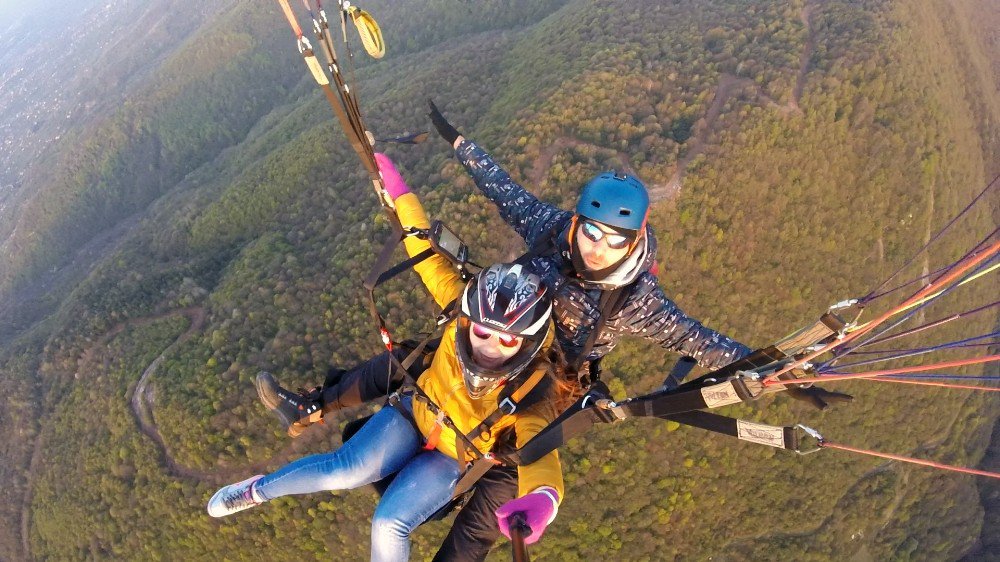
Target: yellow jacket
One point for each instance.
(443, 383)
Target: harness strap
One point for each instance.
(507, 406)
(609, 305)
(380, 271)
(597, 407)
(465, 443)
(781, 437)
(575, 420)
(403, 266)
(446, 421)
(473, 473)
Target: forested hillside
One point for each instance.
(214, 223)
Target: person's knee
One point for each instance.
(343, 469)
(387, 526)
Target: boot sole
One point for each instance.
(266, 397)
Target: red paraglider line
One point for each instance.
(939, 384)
(932, 464)
(290, 16)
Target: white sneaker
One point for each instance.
(234, 497)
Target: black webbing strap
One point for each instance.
(679, 372)
(476, 470)
(403, 266)
(596, 408)
(782, 437)
(575, 420)
(371, 280)
(666, 402)
(828, 326)
(508, 402)
(609, 304)
(380, 271)
(760, 358)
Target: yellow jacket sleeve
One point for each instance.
(437, 273)
(546, 471)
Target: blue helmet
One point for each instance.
(616, 200)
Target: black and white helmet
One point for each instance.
(506, 298)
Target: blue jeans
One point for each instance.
(387, 444)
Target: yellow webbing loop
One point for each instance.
(315, 68)
(371, 35)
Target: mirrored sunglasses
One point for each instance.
(613, 241)
(506, 340)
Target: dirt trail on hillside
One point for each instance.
(695, 145)
(544, 161)
(142, 401)
(87, 358)
(800, 81)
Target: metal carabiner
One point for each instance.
(811, 433)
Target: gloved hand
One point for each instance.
(394, 184)
(817, 397)
(539, 509)
(442, 125)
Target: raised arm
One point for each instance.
(437, 273)
(530, 217)
(525, 213)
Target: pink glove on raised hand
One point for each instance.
(539, 509)
(394, 183)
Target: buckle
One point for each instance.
(507, 402)
(609, 410)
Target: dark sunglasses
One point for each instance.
(613, 241)
(506, 340)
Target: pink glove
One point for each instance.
(539, 509)
(394, 183)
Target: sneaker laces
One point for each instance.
(240, 499)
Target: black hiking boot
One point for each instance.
(295, 410)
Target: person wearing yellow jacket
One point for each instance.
(503, 332)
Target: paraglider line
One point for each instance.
(933, 239)
(911, 460)
(901, 354)
(971, 252)
(897, 371)
(920, 300)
